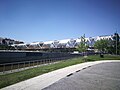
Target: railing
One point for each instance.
(19, 66)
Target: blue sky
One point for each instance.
(43, 20)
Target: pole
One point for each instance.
(116, 42)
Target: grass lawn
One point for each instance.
(9, 79)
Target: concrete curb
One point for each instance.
(42, 81)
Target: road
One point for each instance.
(103, 76)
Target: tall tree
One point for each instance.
(110, 48)
(101, 45)
(82, 47)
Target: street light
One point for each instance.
(116, 42)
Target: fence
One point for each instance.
(19, 66)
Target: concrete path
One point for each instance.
(45, 80)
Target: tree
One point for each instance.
(111, 46)
(101, 45)
(6, 47)
(82, 47)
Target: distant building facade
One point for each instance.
(66, 43)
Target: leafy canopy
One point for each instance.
(82, 47)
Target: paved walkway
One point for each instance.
(45, 80)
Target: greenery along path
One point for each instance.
(9, 79)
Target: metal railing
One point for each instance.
(19, 66)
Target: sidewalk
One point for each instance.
(42, 81)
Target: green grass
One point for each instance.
(106, 57)
(9, 79)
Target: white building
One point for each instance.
(65, 43)
(48, 44)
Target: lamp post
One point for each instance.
(116, 42)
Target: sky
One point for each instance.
(45, 20)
